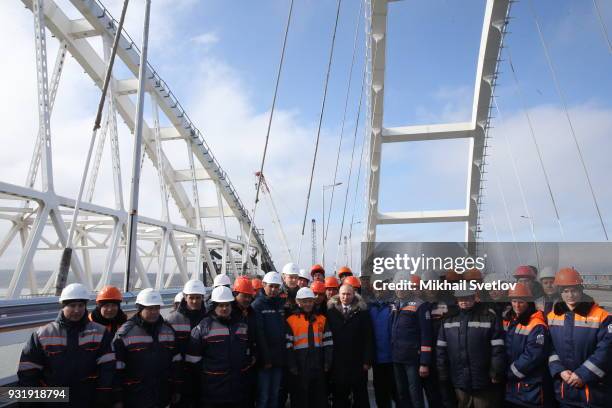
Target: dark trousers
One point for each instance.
(358, 388)
(476, 398)
(409, 385)
(268, 386)
(438, 394)
(308, 392)
(384, 385)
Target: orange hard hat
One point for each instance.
(472, 274)
(242, 284)
(317, 287)
(256, 283)
(331, 282)
(353, 281)
(568, 277)
(316, 268)
(452, 276)
(414, 278)
(344, 270)
(525, 271)
(520, 291)
(109, 292)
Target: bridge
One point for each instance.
(204, 228)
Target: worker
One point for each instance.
(331, 287)
(71, 351)
(190, 311)
(149, 371)
(220, 354)
(527, 274)
(343, 272)
(527, 341)
(177, 300)
(108, 309)
(309, 353)
(550, 293)
(317, 272)
(380, 309)
(290, 287)
(241, 309)
(269, 317)
(351, 328)
(318, 288)
(496, 299)
(304, 278)
(470, 352)
(581, 334)
(354, 281)
(411, 342)
(257, 286)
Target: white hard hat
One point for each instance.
(547, 272)
(149, 297)
(305, 274)
(222, 294)
(222, 280)
(305, 293)
(291, 269)
(272, 278)
(178, 298)
(75, 291)
(495, 277)
(194, 287)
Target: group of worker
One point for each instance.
(310, 339)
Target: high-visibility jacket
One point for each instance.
(148, 363)
(183, 321)
(527, 343)
(309, 344)
(112, 325)
(411, 333)
(70, 354)
(582, 343)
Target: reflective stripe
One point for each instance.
(91, 338)
(241, 330)
(483, 325)
(270, 311)
(127, 340)
(555, 322)
(594, 369)
(177, 357)
(47, 341)
(28, 365)
(590, 325)
(328, 343)
(119, 365)
(552, 358)
(289, 345)
(300, 346)
(425, 348)
(497, 342)
(218, 332)
(289, 337)
(192, 359)
(516, 372)
(181, 327)
(523, 331)
(441, 343)
(449, 325)
(166, 337)
(105, 358)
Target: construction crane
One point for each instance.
(313, 238)
(264, 188)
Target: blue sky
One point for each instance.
(220, 59)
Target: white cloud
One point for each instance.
(206, 39)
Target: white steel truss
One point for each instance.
(100, 227)
(475, 131)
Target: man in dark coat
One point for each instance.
(351, 327)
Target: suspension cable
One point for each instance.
(265, 151)
(604, 30)
(348, 91)
(535, 142)
(314, 158)
(567, 115)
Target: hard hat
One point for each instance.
(291, 269)
(178, 298)
(194, 287)
(344, 270)
(305, 275)
(74, 291)
(109, 292)
(318, 287)
(256, 283)
(316, 268)
(221, 280)
(222, 294)
(465, 293)
(525, 271)
(430, 275)
(149, 297)
(272, 278)
(472, 274)
(495, 277)
(353, 281)
(568, 277)
(547, 272)
(452, 276)
(305, 293)
(415, 279)
(242, 284)
(331, 282)
(520, 291)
